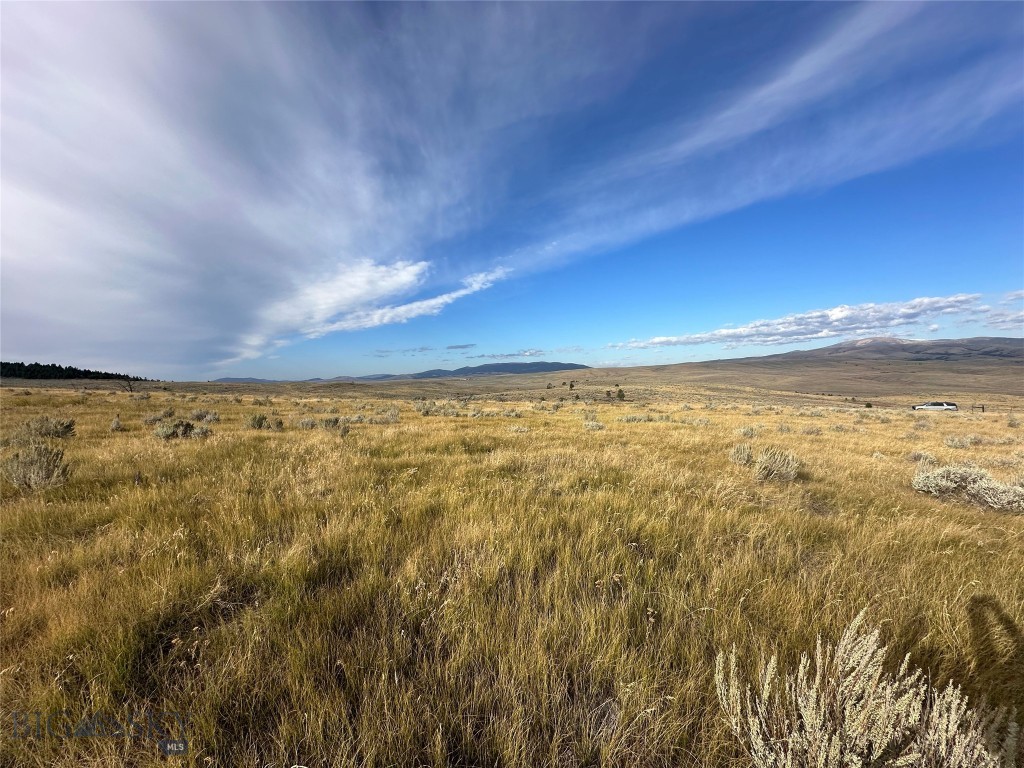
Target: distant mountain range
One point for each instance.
(919, 350)
(489, 369)
(870, 368)
(980, 349)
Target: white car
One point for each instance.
(935, 407)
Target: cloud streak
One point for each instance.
(853, 103)
(166, 180)
(510, 355)
(822, 324)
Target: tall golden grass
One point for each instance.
(492, 590)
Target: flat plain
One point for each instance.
(503, 571)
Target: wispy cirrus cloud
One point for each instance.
(858, 99)
(407, 351)
(1006, 320)
(822, 324)
(228, 179)
(1009, 315)
(402, 313)
(308, 317)
(460, 346)
(510, 355)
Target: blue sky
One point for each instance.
(291, 190)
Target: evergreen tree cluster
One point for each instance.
(54, 371)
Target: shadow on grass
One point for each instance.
(998, 645)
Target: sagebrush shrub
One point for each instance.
(337, 423)
(37, 465)
(593, 425)
(741, 454)
(306, 423)
(446, 408)
(258, 421)
(179, 429)
(747, 431)
(842, 709)
(970, 483)
(962, 441)
(384, 416)
(775, 464)
(47, 426)
(811, 430)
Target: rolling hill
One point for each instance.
(868, 368)
(489, 369)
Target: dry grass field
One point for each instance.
(503, 578)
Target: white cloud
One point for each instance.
(185, 184)
(511, 355)
(873, 109)
(1007, 321)
(358, 284)
(1009, 316)
(819, 324)
(370, 318)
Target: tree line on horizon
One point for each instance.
(54, 371)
